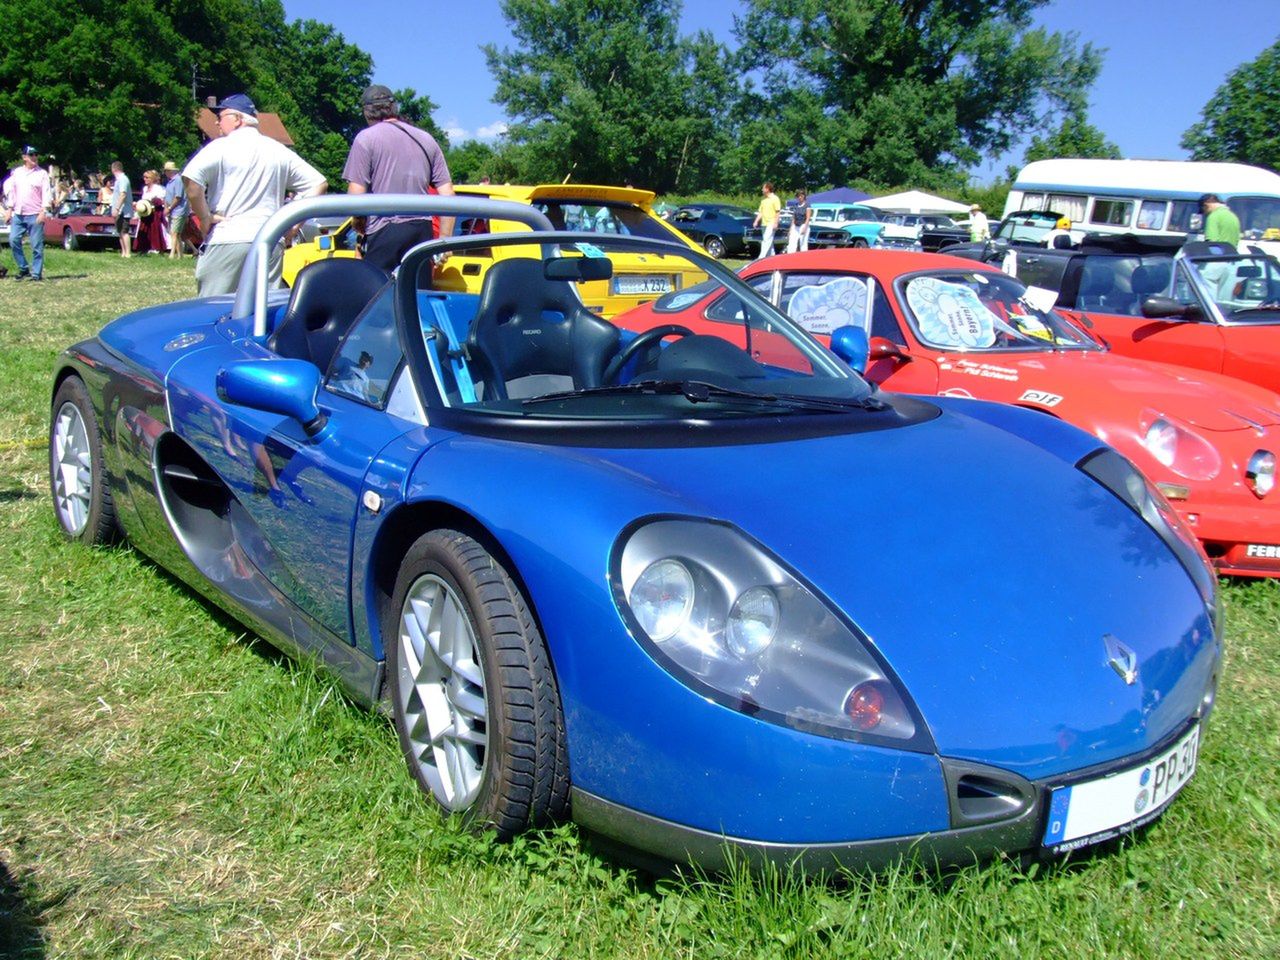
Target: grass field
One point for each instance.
(171, 787)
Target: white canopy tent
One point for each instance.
(916, 201)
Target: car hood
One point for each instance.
(989, 592)
(1093, 387)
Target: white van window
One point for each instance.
(1032, 201)
(1069, 205)
(1151, 215)
(1180, 214)
(1113, 212)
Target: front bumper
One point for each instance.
(1240, 541)
(1014, 825)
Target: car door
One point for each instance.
(300, 491)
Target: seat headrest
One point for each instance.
(1151, 278)
(327, 297)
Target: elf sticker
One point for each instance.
(1040, 397)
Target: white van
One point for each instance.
(1150, 197)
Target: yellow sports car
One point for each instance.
(325, 242)
(615, 211)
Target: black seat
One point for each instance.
(527, 325)
(327, 297)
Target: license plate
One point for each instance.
(643, 284)
(1100, 809)
(1268, 551)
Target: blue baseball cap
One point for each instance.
(239, 103)
(30, 151)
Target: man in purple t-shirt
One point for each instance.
(391, 156)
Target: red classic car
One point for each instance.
(78, 225)
(1209, 308)
(943, 325)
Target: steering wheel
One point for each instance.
(641, 342)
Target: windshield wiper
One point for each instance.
(699, 391)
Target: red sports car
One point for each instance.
(943, 325)
(78, 225)
(1212, 309)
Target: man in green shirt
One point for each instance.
(1220, 224)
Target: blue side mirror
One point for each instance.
(851, 345)
(286, 387)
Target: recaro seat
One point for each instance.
(327, 297)
(527, 325)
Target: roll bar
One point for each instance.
(251, 293)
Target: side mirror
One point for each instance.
(882, 349)
(851, 345)
(1167, 308)
(286, 387)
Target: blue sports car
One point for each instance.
(702, 593)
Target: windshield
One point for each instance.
(981, 310)
(1258, 215)
(622, 219)
(614, 328)
(1246, 289)
(1029, 226)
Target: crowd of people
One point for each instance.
(229, 188)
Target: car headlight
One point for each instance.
(1178, 447)
(725, 618)
(1133, 489)
(1261, 472)
(1161, 440)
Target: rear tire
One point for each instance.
(476, 704)
(77, 475)
(715, 247)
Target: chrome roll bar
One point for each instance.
(251, 293)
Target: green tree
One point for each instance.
(470, 160)
(1076, 137)
(898, 90)
(1241, 121)
(607, 93)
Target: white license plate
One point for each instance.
(1098, 810)
(633, 285)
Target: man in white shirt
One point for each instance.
(235, 183)
(979, 229)
(30, 194)
(122, 207)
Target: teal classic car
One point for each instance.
(844, 225)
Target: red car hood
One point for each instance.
(1089, 386)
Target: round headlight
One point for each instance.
(753, 622)
(1162, 441)
(662, 598)
(1261, 472)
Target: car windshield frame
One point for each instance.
(1209, 287)
(638, 221)
(837, 383)
(1052, 320)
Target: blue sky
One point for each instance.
(1164, 58)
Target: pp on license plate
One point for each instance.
(643, 284)
(1100, 809)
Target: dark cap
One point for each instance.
(376, 93)
(239, 103)
(30, 151)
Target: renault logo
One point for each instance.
(1122, 660)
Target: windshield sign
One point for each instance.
(984, 311)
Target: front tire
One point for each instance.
(715, 248)
(77, 475)
(858, 243)
(69, 240)
(476, 705)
